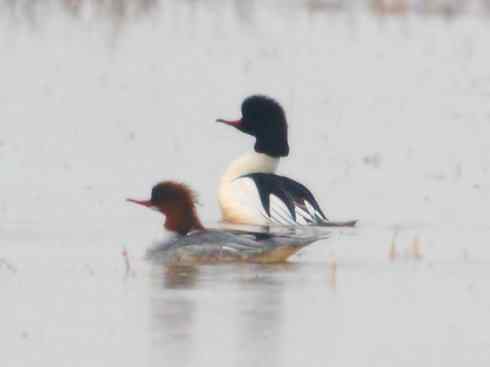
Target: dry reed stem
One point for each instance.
(416, 248)
(393, 252)
(127, 262)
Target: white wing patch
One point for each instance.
(280, 213)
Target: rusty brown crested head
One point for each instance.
(177, 202)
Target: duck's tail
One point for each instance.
(330, 223)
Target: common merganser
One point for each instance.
(250, 192)
(192, 243)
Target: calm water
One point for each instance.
(389, 121)
(77, 307)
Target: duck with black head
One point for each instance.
(250, 192)
(192, 243)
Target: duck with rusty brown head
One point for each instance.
(192, 243)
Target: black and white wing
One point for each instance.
(266, 199)
(286, 201)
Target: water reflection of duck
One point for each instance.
(250, 192)
(192, 243)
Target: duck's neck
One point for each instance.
(251, 163)
(182, 220)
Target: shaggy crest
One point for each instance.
(177, 201)
(265, 119)
(170, 191)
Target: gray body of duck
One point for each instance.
(212, 246)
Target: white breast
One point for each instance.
(238, 197)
